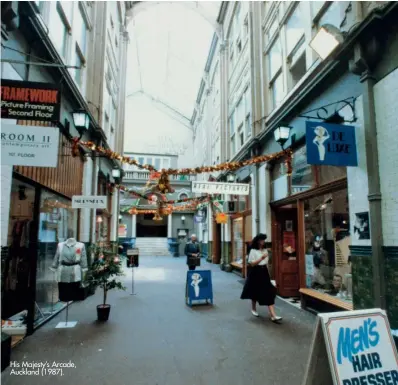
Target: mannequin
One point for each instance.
(70, 263)
(319, 255)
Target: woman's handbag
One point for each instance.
(194, 261)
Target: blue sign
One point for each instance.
(199, 286)
(331, 144)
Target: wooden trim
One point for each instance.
(241, 214)
(301, 242)
(327, 298)
(275, 242)
(335, 185)
(237, 266)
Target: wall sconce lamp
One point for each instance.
(81, 120)
(99, 219)
(116, 173)
(327, 39)
(183, 219)
(230, 178)
(120, 217)
(282, 134)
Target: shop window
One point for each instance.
(238, 250)
(58, 222)
(331, 173)
(141, 160)
(157, 163)
(279, 180)
(15, 260)
(327, 240)
(302, 177)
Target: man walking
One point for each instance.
(192, 251)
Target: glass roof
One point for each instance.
(169, 45)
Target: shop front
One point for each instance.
(311, 232)
(241, 233)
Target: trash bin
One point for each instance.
(174, 249)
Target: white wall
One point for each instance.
(386, 99)
(357, 177)
(6, 181)
(148, 129)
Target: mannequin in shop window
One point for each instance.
(319, 257)
(70, 264)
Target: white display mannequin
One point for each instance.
(70, 265)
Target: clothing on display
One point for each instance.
(70, 263)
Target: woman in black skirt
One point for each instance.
(258, 286)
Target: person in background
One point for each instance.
(192, 250)
(258, 286)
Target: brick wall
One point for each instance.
(386, 98)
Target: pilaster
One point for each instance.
(134, 226)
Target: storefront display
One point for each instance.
(58, 222)
(327, 240)
(15, 260)
(238, 249)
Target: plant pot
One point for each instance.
(103, 312)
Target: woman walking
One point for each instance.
(258, 286)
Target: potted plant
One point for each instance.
(103, 272)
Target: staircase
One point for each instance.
(152, 247)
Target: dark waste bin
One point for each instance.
(174, 249)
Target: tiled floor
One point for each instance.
(154, 338)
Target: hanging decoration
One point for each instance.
(221, 218)
(163, 184)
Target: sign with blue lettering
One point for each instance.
(331, 144)
(199, 286)
(359, 347)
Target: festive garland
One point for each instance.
(162, 176)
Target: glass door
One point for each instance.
(238, 242)
(16, 260)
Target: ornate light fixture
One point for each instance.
(327, 39)
(81, 120)
(282, 134)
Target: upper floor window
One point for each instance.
(333, 15)
(272, 29)
(60, 29)
(80, 27)
(232, 123)
(294, 29)
(275, 58)
(157, 163)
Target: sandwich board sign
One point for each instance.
(352, 348)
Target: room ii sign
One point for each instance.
(331, 144)
(30, 100)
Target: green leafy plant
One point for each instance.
(105, 268)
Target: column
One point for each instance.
(134, 226)
(85, 214)
(170, 226)
(93, 192)
(115, 215)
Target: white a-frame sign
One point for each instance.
(352, 348)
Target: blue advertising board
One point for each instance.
(199, 286)
(331, 144)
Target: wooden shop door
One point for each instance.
(285, 249)
(216, 252)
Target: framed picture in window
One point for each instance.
(289, 225)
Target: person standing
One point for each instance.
(258, 286)
(192, 251)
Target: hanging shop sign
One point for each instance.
(358, 347)
(331, 144)
(29, 145)
(220, 188)
(200, 217)
(89, 202)
(30, 100)
(218, 206)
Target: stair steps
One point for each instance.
(152, 247)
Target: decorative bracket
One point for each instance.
(330, 112)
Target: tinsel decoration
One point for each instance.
(75, 147)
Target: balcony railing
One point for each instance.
(144, 176)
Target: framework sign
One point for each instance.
(352, 348)
(221, 188)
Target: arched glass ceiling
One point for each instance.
(169, 45)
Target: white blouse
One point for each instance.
(255, 255)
